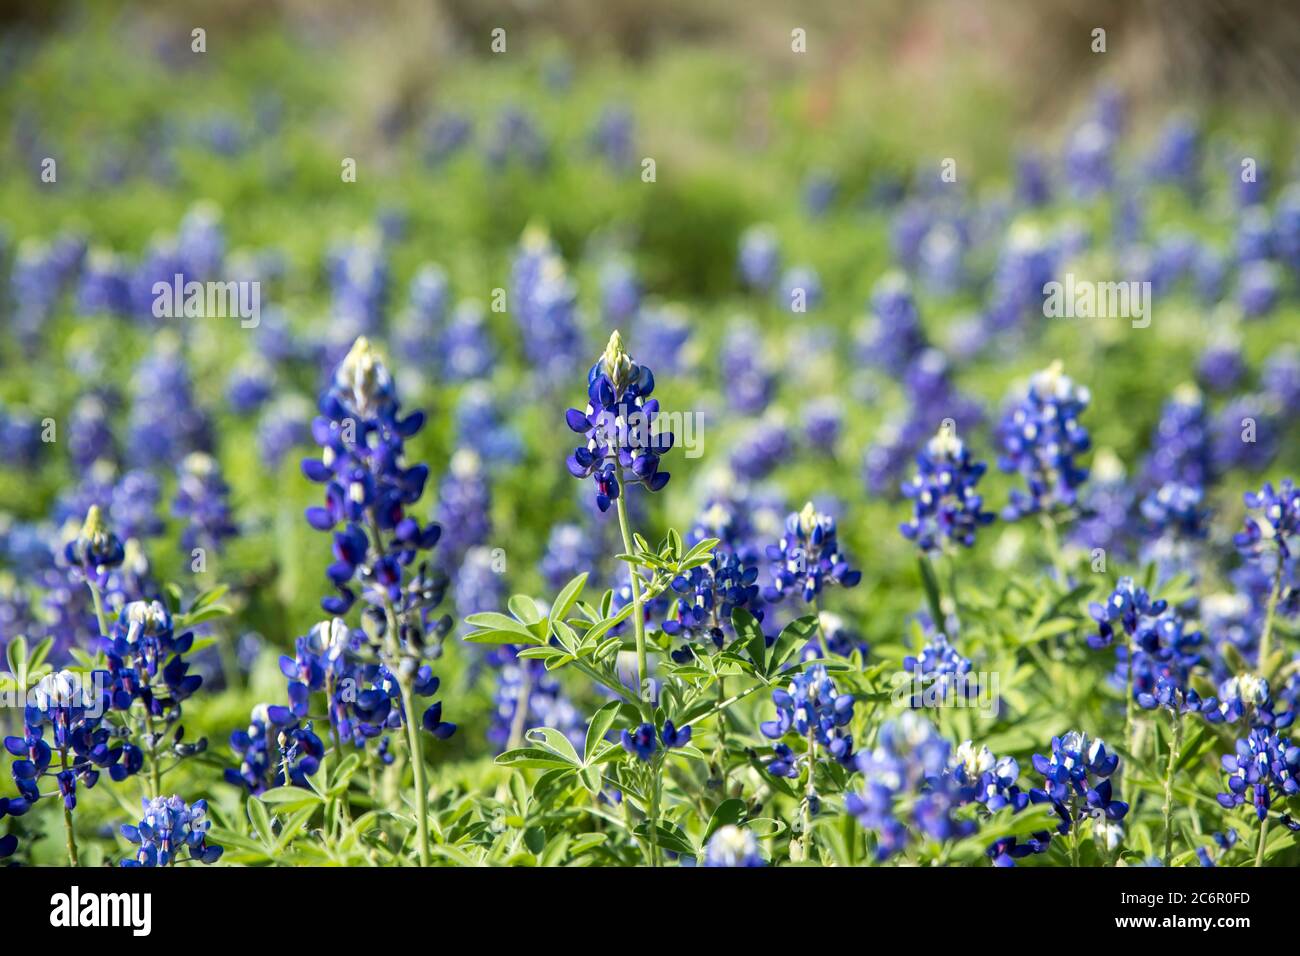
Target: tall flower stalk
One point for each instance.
(383, 551)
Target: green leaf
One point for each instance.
(525, 609)
(567, 597)
(260, 819)
(750, 634)
(601, 721)
(499, 636)
(931, 585)
(730, 811)
(554, 741)
(535, 758)
(793, 637)
(289, 796)
(495, 621)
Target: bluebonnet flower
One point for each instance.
(1033, 183)
(893, 338)
(1245, 434)
(1223, 841)
(1026, 263)
(988, 780)
(941, 258)
(1175, 509)
(673, 736)
(620, 291)
(1089, 159)
(359, 276)
(1265, 769)
(1041, 437)
(808, 557)
(361, 432)
(545, 302)
(251, 384)
(446, 136)
(1221, 367)
(938, 671)
(1106, 508)
(747, 380)
(74, 708)
(146, 660)
(709, 593)
(836, 637)
(1180, 444)
(266, 749)
(640, 741)
(1254, 239)
(165, 423)
(1177, 156)
(479, 427)
(516, 137)
(1257, 288)
(946, 506)
(284, 425)
(732, 846)
(613, 135)
(480, 585)
(464, 508)
(760, 258)
(419, 330)
(910, 762)
(569, 551)
(201, 241)
(1076, 781)
(466, 352)
(368, 486)
(203, 499)
(663, 334)
(1272, 522)
(168, 827)
(823, 420)
(1246, 698)
(622, 447)
(763, 446)
(90, 432)
(1280, 377)
(814, 708)
(96, 550)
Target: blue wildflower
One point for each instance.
(1041, 437)
(732, 846)
(622, 446)
(168, 827)
(808, 557)
(946, 505)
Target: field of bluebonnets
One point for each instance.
(548, 506)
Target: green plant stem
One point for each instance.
(1175, 745)
(100, 615)
(655, 783)
(1266, 635)
(638, 619)
(1263, 841)
(810, 794)
(417, 770)
(1054, 547)
(73, 859)
(821, 631)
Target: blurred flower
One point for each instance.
(1041, 436)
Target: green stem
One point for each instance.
(73, 859)
(1267, 634)
(657, 771)
(1054, 547)
(1263, 841)
(638, 619)
(821, 630)
(100, 615)
(1175, 744)
(810, 794)
(417, 768)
